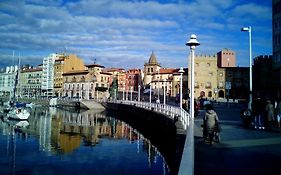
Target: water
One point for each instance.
(55, 141)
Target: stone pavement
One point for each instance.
(241, 150)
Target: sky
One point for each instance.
(123, 33)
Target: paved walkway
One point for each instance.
(241, 150)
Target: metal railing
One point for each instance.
(187, 161)
(172, 112)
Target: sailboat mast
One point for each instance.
(11, 90)
(18, 78)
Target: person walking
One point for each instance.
(278, 114)
(269, 114)
(210, 121)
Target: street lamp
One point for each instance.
(164, 93)
(139, 92)
(192, 43)
(150, 94)
(131, 93)
(248, 29)
(158, 70)
(181, 71)
(123, 91)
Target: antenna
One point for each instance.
(13, 57)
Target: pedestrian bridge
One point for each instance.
(185, 125)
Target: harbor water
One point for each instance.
(56, 141)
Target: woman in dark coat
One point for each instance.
(210, 122)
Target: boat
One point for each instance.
(18, 114)
(16, 110)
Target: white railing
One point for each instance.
(187, 161)
(168, 110)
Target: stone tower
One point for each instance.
(150, 68)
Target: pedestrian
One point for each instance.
(210, 121)
(278, 114)
(269, 114)
(258, 113)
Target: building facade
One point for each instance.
(7, 81)
(30, 83)
(206, 77)
(150, 68)
(263, 77)
(276, 45)
(48, 75)
(226, 58)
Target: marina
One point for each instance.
(56, 141)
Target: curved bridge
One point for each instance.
(185, 125)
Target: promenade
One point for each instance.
(241, 150)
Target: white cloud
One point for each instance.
(120, 31)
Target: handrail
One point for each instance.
(168, 110)
(187, 160)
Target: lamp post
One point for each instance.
(123, 91)
(139, 92)
(150, 94)
(158, 84)
(131, 93)
(164, 93)
(192, 43)
(249, 29)
(181, 71)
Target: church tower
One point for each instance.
(150, 68)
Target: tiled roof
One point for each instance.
(76, 72)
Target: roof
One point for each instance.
(94, 65)
(106, 73)
(76, 72)
(167, 71)
(113, 70)
(32, 70)
(152, 60)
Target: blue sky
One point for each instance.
(119, 33)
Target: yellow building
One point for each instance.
(206, 79)
(58, 78)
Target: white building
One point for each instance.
(48, 75)
(7, 80)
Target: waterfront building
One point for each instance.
(133, 79)
(276, 46)
(48, 75)
(175, 90)
(158, 77)
(7, 81)
(239, 82)
(30, 82)
(99, 81)
(263, 77)
(76, 84)
(58, 78)
(165, 77)
(226, 58)
(206, 81)
(150, 68)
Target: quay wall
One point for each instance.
(158, 128)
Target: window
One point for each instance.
(210, 94)
(208, 85)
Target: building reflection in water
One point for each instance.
(62, 131)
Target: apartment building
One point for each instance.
(31, 82)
